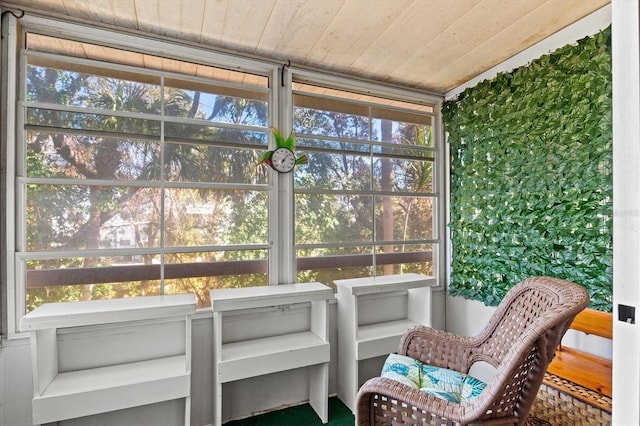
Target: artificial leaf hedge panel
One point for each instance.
(531, 183)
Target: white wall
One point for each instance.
(468, 317)
(15, 365)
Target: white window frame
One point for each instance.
(282, 267)
(35, 24)
(338, 82)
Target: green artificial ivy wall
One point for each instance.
(531, 182)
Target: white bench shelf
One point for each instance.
(379, 339)
(373, 313)
(60, 395)
(272, 354)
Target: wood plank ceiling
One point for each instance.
(432, 45)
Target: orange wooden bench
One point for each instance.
(579, 367)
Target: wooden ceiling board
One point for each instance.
(417, 25)
(461, 37)
(522, 33)
(302, 25)
(352, 30)
(175, 19)
(237, 24)
(90, 10)
(465, 33)
(167, 20)
(124, 13)
(50, 5)
(432, 45)
(191, 20)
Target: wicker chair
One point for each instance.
(519, 341)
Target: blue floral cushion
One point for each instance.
(403, 369)
(446, 384)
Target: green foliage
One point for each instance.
(531, 183)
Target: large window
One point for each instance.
(134, 181)
(366, 202)
(136, 173)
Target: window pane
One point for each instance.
(90, 278)
(181, 132)
(41, 117)
(67, 217)
(215, 103)
(397, 174)
(203, 163)
(390, 127)
(313, 121)
(333, 218)
(200, 217)
(152, 154)
(404, 151)
(397, 259)
(334, 171)
(334, 145)
(328, 264)
(77, 49)
(95, 88)
(362, 149)
(82, 156)
(202, 271)
(404, 218)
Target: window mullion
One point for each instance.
(284, 222)
(374, 245)
(163, 188)
(15, 302)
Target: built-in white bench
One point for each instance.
(272, 351)
(118, 383)
(373, 313)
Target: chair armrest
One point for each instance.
(440, 348)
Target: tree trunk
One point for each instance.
(386, 182)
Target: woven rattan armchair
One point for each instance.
(519, 340)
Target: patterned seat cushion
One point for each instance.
(440, 382)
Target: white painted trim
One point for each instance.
(585, 27)
(285, 214)
(441, 187)
(352, 84)
(446, 236)
(626, 208)
(144, 43)
(9, 70)
(274, 118)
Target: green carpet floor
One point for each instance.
(300, 415)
